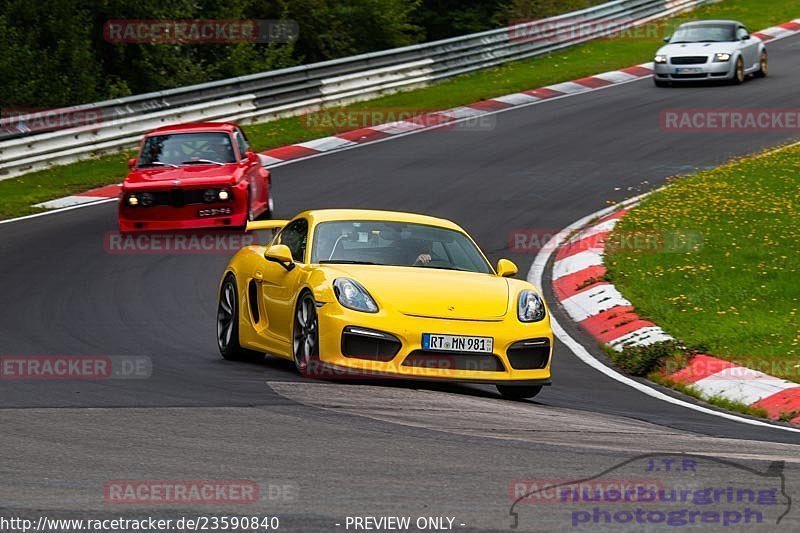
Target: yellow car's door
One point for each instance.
(280, 284)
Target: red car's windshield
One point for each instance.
(187, 149)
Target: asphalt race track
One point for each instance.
(366, 448)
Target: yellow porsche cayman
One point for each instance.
(379, 293)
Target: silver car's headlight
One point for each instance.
(722, 57)
(530, 307)
(352, 295)
(660, 59)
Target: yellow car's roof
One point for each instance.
(327, 215)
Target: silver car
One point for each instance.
(710, 50)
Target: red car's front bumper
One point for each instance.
(215, 215)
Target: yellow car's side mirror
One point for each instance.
(280, 253)
(506, 269)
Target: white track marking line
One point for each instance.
(463, 112)
(68, 201)
(395, 128)
(54, 211)
(516, 99)
(592, 302)
(267, 161)
(742, 385)
(536, 276)
(640, 337)
(615, 76)
(608, 225)
(577, 262)
(325, 144)
(570, 87)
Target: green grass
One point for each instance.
(19, 194)
(643, 360)
(735, 288)
(584, 60)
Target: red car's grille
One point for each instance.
(178, 197)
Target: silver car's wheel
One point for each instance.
(305, 334)
(738, 74)
(763, 68)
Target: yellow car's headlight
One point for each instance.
(530, 307)
(352, 295)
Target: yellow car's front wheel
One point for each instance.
(228, 323)
(305, 334)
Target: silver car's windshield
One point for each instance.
(705, 33)
(397, 244)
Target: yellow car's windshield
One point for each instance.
(397, 244)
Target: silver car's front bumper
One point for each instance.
(706, 71)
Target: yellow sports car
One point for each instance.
(379, 293)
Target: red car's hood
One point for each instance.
(187, 175)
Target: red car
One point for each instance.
(191, 176)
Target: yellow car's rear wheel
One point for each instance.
(519, 392)
(305, 334)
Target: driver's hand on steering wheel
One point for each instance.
(423, 259)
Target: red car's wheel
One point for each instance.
(270, 203)
(250, 212)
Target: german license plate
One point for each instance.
(214, 212)
(688, 70)
(436, 342)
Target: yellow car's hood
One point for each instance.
(431, 292)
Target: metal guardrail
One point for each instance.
(302, 89)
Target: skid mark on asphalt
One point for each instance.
(528, 422)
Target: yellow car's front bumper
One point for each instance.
(528, 363)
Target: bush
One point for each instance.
(642, 360)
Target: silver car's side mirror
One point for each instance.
(667, 38)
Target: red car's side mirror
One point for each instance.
(132, 163)
(252, 157)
